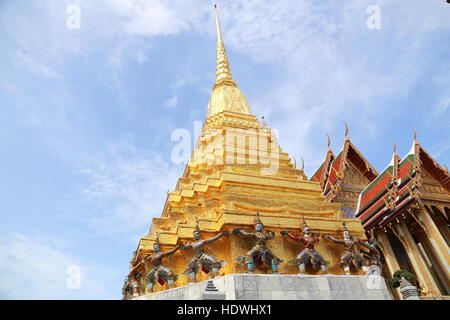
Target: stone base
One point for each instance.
(283, 287)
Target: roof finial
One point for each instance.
(395, 147)
(303, 163)
(415, 135)
(346, 129)
(329, 140)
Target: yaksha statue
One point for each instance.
(208, 263)
(132, 286)
(373, 255)
(126, 290)
(309, 254)
(259, 253)
(351, 255)
(159, 272)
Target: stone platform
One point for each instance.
(283, 287)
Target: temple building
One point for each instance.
(343, 177)
(407, 206)
(238, 179)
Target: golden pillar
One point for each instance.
(389, 256)
(441, 275)
(442, 224)
(435, 237)
(424, 276)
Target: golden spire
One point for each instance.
(225, 96)
(223, 72)
(219, 34)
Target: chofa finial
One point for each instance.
(346, 129)
(415, 135)
(329, 140)
(395, 147)
(303, 163)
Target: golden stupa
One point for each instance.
(237, 169)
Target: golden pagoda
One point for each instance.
(236, 170)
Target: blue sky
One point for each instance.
(86, 115)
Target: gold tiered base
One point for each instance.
(224, 184)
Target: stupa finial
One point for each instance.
(225, 95)
(219, 34)
(223, 72)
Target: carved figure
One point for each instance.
(206, 262)
(259, 253)
(351, 255)
(159, 272)
(308, 254)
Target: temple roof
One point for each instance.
(398, 185)
(339, 165)
(321, 175)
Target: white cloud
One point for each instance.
(133, 181)
(172, 102)
(36, 66)
(33, 268)
(442, 106)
